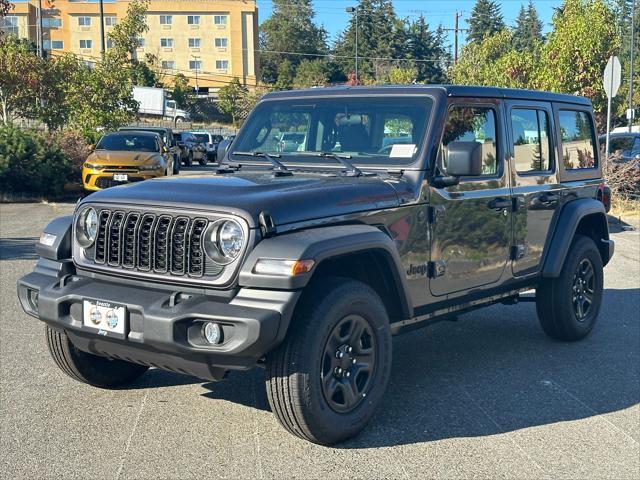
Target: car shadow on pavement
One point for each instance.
(18, 248)
(491, 372)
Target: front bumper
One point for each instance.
(164, 326)
(94, 180)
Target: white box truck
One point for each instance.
(153, 102)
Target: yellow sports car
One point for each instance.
(123, 157)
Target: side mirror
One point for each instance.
(464, 159)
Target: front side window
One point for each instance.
(221, 42)
(531, 140)
(166, 19)
(128, 142)
(166, 42)
(578, 149)
(471, 124)
(370, 131)
(220, 19)
(194, 43)
(222, 64)
(86, 43)
(193, 19)
(84, 21)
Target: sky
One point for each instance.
(331, 13)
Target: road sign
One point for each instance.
(612, 77)
(611, 82)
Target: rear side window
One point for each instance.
(578, 148)
(531, 140)
(472, 124)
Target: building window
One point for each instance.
(194, 43)
(50, 22)
(195, 65)
(86, 44)
(222, 64)
(53, 45)
(578, 146)
(110, 21)
(168, 64)
(220, 19)
(531, 140)
(221, 42)
(140, 42)
(9, 25)
(109, 43)
(166, 42)
(193, 19)
(84, 21)
(166, 19)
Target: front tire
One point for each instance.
(326, 380)
(189, 160)
(203, 161)
(176, 165)
(87, 368)
(568, 306)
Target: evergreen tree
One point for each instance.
(486, 20)
(527, 33)
(429, 49)
(290, 28)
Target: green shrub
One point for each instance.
(31, 163)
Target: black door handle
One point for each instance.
(548, 197)
(499, 203)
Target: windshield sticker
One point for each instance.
(402, 150)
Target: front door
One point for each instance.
(471, 221)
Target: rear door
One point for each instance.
(471, 221)
(534, 177)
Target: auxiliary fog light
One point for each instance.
(212, 332)
(32, 297)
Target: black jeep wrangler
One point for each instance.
(400, 207)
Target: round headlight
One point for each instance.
(224, 241)
(87, 227)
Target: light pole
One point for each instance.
(354, 10)
(102, 46)
(195, 58)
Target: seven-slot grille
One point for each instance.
(147, 242)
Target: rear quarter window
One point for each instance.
(578, 143)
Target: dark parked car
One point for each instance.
(307, 262)
(167, 138)
(190, 148)
(623, 146)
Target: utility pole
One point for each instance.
(39, 29)
(631, 70)
(195, 58)
(456, 29)
(354, 10)
(102, 45)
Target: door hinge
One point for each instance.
(434, 213)
(518, 251)
(436, 269)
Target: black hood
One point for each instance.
(302, 196)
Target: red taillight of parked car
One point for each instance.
(604, 195)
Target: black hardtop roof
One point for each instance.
(449, 90)
(137, 132)
(150, 128)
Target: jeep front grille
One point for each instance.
(154, 243)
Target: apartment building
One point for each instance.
(209, 41)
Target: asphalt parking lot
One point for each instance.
(488, 396)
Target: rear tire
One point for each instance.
(176, 165)
(189, 160)
(203, 161)
(568, 306)
(327, 378)
(87, 368)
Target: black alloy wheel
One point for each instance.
(583, 289)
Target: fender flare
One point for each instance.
(565, 229)
(320, 244)
(60, 249)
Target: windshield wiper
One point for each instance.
(344, 160)
(279, 169)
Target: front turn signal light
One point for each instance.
(282, 268)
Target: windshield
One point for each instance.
(371, 130)
(202, 137)
(128, 142)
